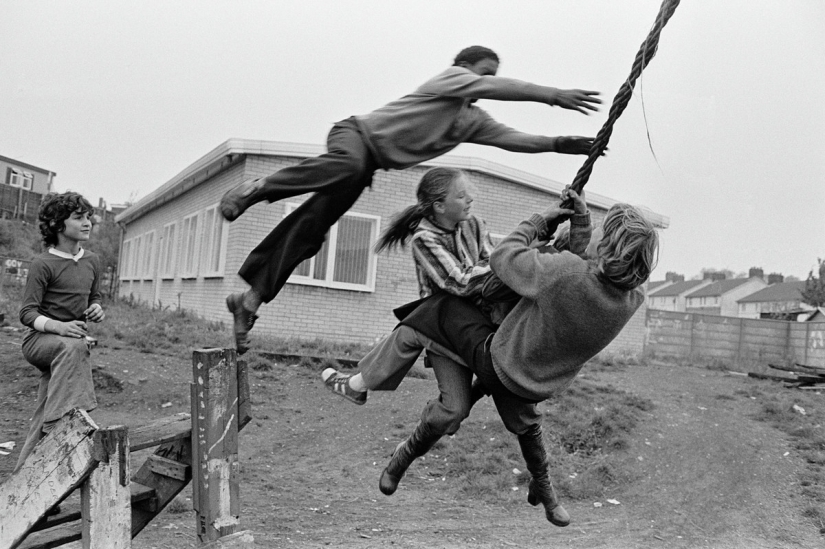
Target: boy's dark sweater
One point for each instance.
(60, 288)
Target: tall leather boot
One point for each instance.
(541, 488)
(405, 453)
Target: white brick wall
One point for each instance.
(309, 312)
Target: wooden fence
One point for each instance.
(114, 505)
(742, 343)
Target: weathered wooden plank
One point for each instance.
(160, 431)
(58, 464)
(215, 442)
(71, 512)
(244, 398)
(169, 468)
(165, 488)
(66, 536)
(105, 497)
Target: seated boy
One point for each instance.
(571, 308)
(61, 295)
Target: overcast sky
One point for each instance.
(118, 97)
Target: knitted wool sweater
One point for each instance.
(60, 288)
(568, 313)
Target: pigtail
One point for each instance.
(401, 228)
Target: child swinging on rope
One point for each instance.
(427, 123)
(451, 250)
(571, 308)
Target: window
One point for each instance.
(20, 178)
(346, 260)
(124, 259)
(189, 246)
(147, 256)
(213, 250)
(168, 247)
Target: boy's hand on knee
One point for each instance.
(74, 328)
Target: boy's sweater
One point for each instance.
(60, 288)
(569, 312)
(439, 116)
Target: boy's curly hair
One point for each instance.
(55, 209)
(628, 250)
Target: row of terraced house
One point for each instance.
(755, 296)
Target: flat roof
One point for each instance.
(230, 151)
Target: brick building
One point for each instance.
(177, 249)
(22, 189)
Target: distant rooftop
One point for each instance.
(677, 288)
(719, 287)
(652, 285)
(783, 291)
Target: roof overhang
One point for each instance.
(232, 151)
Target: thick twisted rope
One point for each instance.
(643, 57)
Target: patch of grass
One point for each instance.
(783, 409)
(587, 432)
(615, 361)
(178, 506)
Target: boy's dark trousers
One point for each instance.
(337, 178)
(457, 324)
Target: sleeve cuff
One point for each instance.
(580, 219)
(540, 224)
(39, 323)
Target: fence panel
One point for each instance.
(749, 344)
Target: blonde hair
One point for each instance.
(629, 248)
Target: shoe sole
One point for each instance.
(230, 209)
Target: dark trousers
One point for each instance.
(337, 178)
(459, 325)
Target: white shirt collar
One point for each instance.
(64, 255)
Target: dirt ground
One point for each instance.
(708, 475)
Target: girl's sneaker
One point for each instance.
(338, 383)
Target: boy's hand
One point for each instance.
(579, 205)
(555, 214)
(94, 313)
(577, 100)
(573, 144)
(75, 328)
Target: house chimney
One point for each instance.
(775, 278)
(756, 272)
(712, 275)
(672, 276)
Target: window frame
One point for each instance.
(212, 247)
(125, 256)
(18, 179)
(167, 259)
(146, 264)
(185, 270)
(332, 240)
